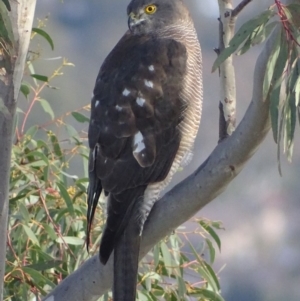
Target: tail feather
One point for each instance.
(94, 192)
(126, 258)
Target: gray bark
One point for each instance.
(12, 68)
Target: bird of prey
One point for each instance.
(145, 115)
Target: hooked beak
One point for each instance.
(134, 20)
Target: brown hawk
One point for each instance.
(145, 115)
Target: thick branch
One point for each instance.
(92, 279)
(21, 16)
(227, 74)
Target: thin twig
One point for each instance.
(35, 98)
(240, 7)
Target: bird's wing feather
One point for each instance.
(135, 113)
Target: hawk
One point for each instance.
(145, 115)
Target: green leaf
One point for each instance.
(290, 113)
(212, 251)
(80, 118)
(258, 36)
(42, 78)
(40, 155)
(45, 35)
(213, 276)
(65, 195)
(50, 231)
(212, 296)
(211, 232)
(271, 67)
(31, 235)
(293, 11)
(25, 89)
(31, 132)
(156, 255)
(6, 31)
(55, 145)
(264, 33)
(45, 265)
(181, 287)
(71, 240)
(47, 108)
(277, 80)
(242, 34)
(166, 257)
(24, 212)
(297, 91)
(37, 276)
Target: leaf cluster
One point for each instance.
(281, 84)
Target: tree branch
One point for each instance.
(21, 17)
(240, 7)
(93, 279)
(227, 116)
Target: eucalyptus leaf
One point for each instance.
(242, 34)
(45, 35)
(46, 107)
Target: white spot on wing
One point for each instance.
(140, 101)
(118, 108)
(97, 103)
(148, 83)
(151, 68)
(138, 142)
(126, 92)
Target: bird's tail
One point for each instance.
(126, 258)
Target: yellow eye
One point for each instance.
(150, 9)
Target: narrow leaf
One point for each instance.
(37, 276)
(47, 108)
(80, 118)
(55, 145)
(166, 257)
(45, 265)
(65, 195)
(45, 35)
(212, 251)
(42, 78)
(271, 66)
(31, 235)
(211, 232)
(211, 296)
(6, 31)
(71, 240)
(242, 34)
(275, 88)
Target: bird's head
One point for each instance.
(151, 16)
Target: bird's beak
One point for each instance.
(134, 20)
(131, 20)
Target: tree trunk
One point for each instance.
(11, 72)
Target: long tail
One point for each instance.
(126, 258)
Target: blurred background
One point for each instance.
(260, 257)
